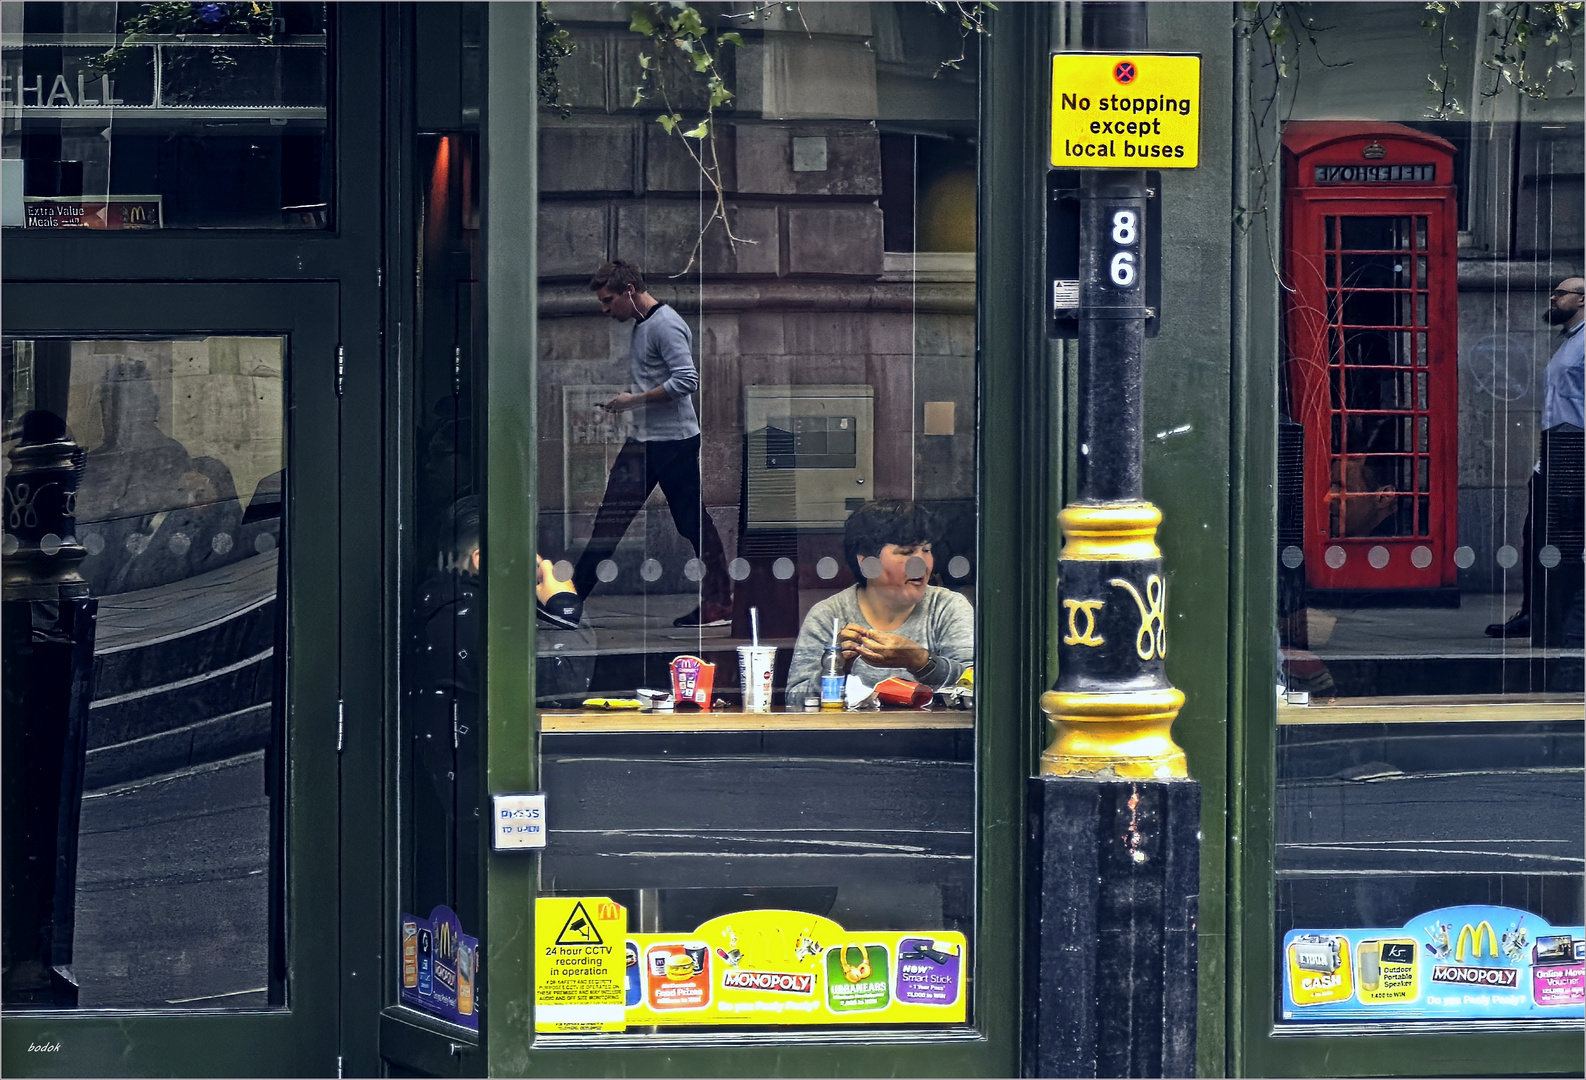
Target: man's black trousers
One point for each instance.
(639, 467)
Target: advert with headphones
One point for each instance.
(751, 967)
(1456, 963)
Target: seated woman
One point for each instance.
(892, 621)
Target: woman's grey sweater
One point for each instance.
(943, 623)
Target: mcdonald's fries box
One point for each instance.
(764, 966)
(1456, 963)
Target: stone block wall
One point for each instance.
(803, 291)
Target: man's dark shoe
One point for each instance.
(705, 615)
(1519, 626)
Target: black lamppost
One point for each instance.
(1114, 820)
(48, 627)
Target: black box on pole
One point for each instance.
(1110, 954)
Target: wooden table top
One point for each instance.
(569, 721)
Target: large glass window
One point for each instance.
(166, 115)
(757, 441)
(143, 725)
(1429, 778)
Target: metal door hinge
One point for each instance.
(341, 724)
(338, 1067)
(341, 367)
(457, 371)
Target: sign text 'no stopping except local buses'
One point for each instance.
(1140, 111)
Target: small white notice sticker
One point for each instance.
(517, 822)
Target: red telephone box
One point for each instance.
(1372, 369)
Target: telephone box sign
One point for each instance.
(1136, 111)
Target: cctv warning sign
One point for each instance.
(579, 964)
(1140, 111)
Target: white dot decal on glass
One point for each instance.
(1549, 556)
(93, 543)
(606, 571)
(136, 543)
(870, 566)
(1377, 557)
(264, 542)
(1508, 556)
(1464, 557)
(650, 570)
(8, 545)
(562, 571)
(915, 567)
(958, 566)
(782, 569)
(826, 568)
(1335, 556)
(694, 570)
(738, 569)
(1293, 557)
(50, 543)
(1421, 557)
(180, 543)
(221, 543)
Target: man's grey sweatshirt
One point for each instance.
(662, 354)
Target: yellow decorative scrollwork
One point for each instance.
(1152, 639)
(1075, 635)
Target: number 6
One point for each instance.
(1123, 223)
(1122, 269)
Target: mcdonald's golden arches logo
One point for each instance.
(1474, 935)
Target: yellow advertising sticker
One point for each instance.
(790, 967)
(1387, 971)
(1135, 111)
(579, 962)
(1319, 969)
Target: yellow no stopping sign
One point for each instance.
(1135, 111)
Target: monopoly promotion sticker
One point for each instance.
(1457, 963)
(790, 967)
(440, 967)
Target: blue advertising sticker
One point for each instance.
(440, 967)
(1456, 963)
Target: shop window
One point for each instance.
(173, 116)
(143, 838)
(1429, 794)
(772, 844)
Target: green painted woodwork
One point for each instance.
(302, 1041)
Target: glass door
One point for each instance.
(190, 923)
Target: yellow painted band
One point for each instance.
(1110, 531)
(1122, 734)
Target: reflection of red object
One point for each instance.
(1372, 323)
(1124, 72)
(693, 680)
(909, 695)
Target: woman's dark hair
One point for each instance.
(885, 521)
(618, 276)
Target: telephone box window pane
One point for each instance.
(166, 116)
(173, 852)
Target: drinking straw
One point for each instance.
(835, 621)
(754, 625)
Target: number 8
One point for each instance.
(1123, 223)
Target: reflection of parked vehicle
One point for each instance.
(1555, 949)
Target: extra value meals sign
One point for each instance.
(1140, 111)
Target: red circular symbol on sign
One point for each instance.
(1124, 72)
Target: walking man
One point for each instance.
(664, 446)
(1562, 406)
